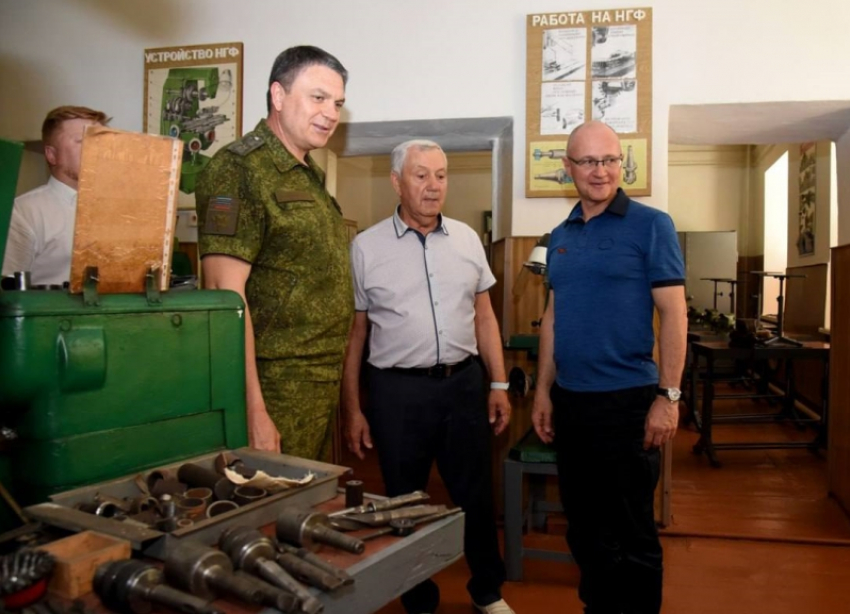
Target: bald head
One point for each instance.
(590, 132)
(594, 160)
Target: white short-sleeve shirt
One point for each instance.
(419, 292)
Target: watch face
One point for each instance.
(674, 394)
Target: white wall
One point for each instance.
(775, 227)
(707, 187)
(408, 60)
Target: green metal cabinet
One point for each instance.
(99, 391)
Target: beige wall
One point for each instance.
(366, 194)
(762, 157)
(708, 187)
(33, 172)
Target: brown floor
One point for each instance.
(760, 534)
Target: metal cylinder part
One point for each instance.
(251, 550)
(202, 492)
(319, 562)
(353, 493)
(244, 495)
(216, 508)
(272, 595)
(191, 508)
(131, 586)
(377, 519)
(143, 504)
(197, 476)
(308, 572)
(309, 529)
(206, 572)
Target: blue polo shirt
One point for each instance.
(602, 273)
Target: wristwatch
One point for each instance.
(499, 385)
(671, 394)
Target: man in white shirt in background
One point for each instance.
(41, 232)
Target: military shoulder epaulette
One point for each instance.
(246, 144)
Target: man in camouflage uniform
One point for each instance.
(271, 232)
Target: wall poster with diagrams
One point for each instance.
(194, 93)
(581, 66)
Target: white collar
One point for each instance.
(66, 192)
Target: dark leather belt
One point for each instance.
(438, 371)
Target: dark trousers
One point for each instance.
(415, 420)
(607, 484)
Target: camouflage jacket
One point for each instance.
(256, 202)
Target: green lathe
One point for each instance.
(93, 387)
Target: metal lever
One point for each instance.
(417, 496)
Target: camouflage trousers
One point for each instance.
(304, 413)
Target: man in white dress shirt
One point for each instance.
(41, 232)
(421, 281)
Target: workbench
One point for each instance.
(391, 565)
(388, 567)
(715, 351)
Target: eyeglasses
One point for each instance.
(588, 163)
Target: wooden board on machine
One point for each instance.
(126, 209)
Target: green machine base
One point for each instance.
(96, 390)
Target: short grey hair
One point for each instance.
(399, 154)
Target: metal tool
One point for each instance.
(272, 595)
(313, 559)
(377, 519)
(253, 552)
(399, 528)
(307, 572)
(417, 496)
(309, 529)
(206, 572)
(132, 586)
(197, 476)
(403, 527)
(353, 493)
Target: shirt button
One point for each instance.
(441, 332)
(436, 302)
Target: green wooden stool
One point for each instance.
(530, 456)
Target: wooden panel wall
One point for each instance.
(748, 286)
(805, 299)
(839, 379)
(805, 312)
(516, 305)
(518, 296)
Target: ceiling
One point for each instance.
(760, 123)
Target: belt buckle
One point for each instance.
(440, 371)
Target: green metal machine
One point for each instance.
(182, 116)
(94, 387)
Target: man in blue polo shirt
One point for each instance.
(601, 399)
